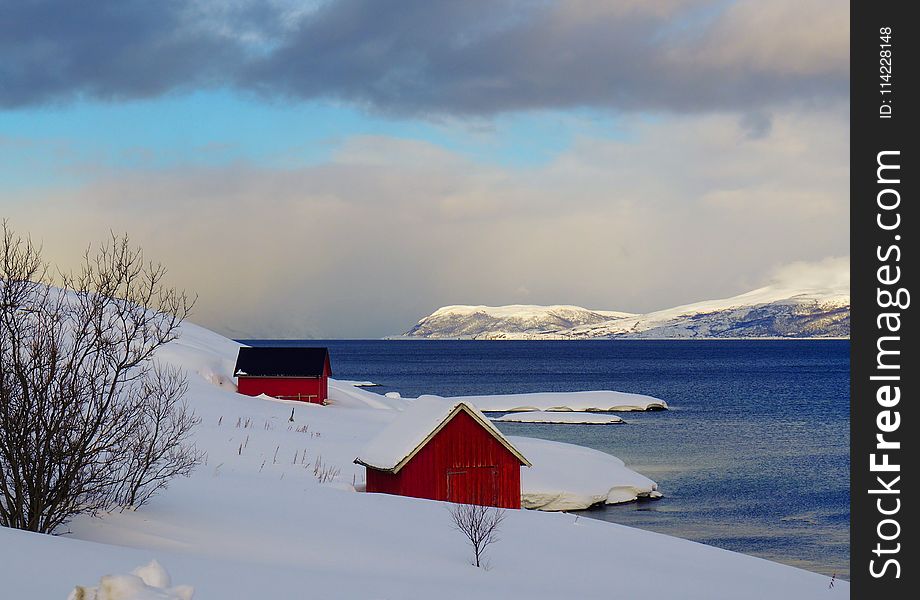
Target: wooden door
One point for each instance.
(473, 485)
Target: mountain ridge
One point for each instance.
(769, 312)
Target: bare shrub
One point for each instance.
(87, 423)
(480, 525)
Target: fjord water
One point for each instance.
(753, 455)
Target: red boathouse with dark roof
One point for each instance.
(287, 373)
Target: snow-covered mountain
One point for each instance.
(516, 320)
(772, 311)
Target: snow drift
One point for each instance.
(149, 582)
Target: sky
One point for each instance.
(341, 168)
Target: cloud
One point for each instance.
(831, 273)
(434, 59)
(388, 229)
(756, 124)
(59, 51)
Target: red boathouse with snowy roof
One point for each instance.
(287, 373)
(444, 449)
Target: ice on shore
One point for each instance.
(358, 383)
(344, 393)
(595, 401)
(569, 477)
(558, 417)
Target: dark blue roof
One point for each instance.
(284, 361)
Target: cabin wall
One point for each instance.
(305, 389)
(324, 380)
(463, 463)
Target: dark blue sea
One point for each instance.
(752, 456)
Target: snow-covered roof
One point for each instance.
(398, 442)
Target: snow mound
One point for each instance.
(597, 401)
(346, 395)
(569, 477)
(199, 351)
(569, 418)
(149, 582)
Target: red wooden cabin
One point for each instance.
(445, 450)
(288, 373)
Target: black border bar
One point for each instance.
(884, 373)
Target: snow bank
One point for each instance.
(568, 477)
(346, 395)
(150, 582)
(600, 401)
(557, 417)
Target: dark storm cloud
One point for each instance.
(436, 58)
(56, 50)
(480, 58)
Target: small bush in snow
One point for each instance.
(480, 525)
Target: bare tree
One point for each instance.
(86, 421)
(480, 525)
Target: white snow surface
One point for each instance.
(254, 522)
(410, 428)
(558, 417)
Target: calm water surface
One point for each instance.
(753, 455)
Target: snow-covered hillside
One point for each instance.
(771, 311)
(518, 320)
(254, 521)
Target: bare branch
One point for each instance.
(87, 421)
